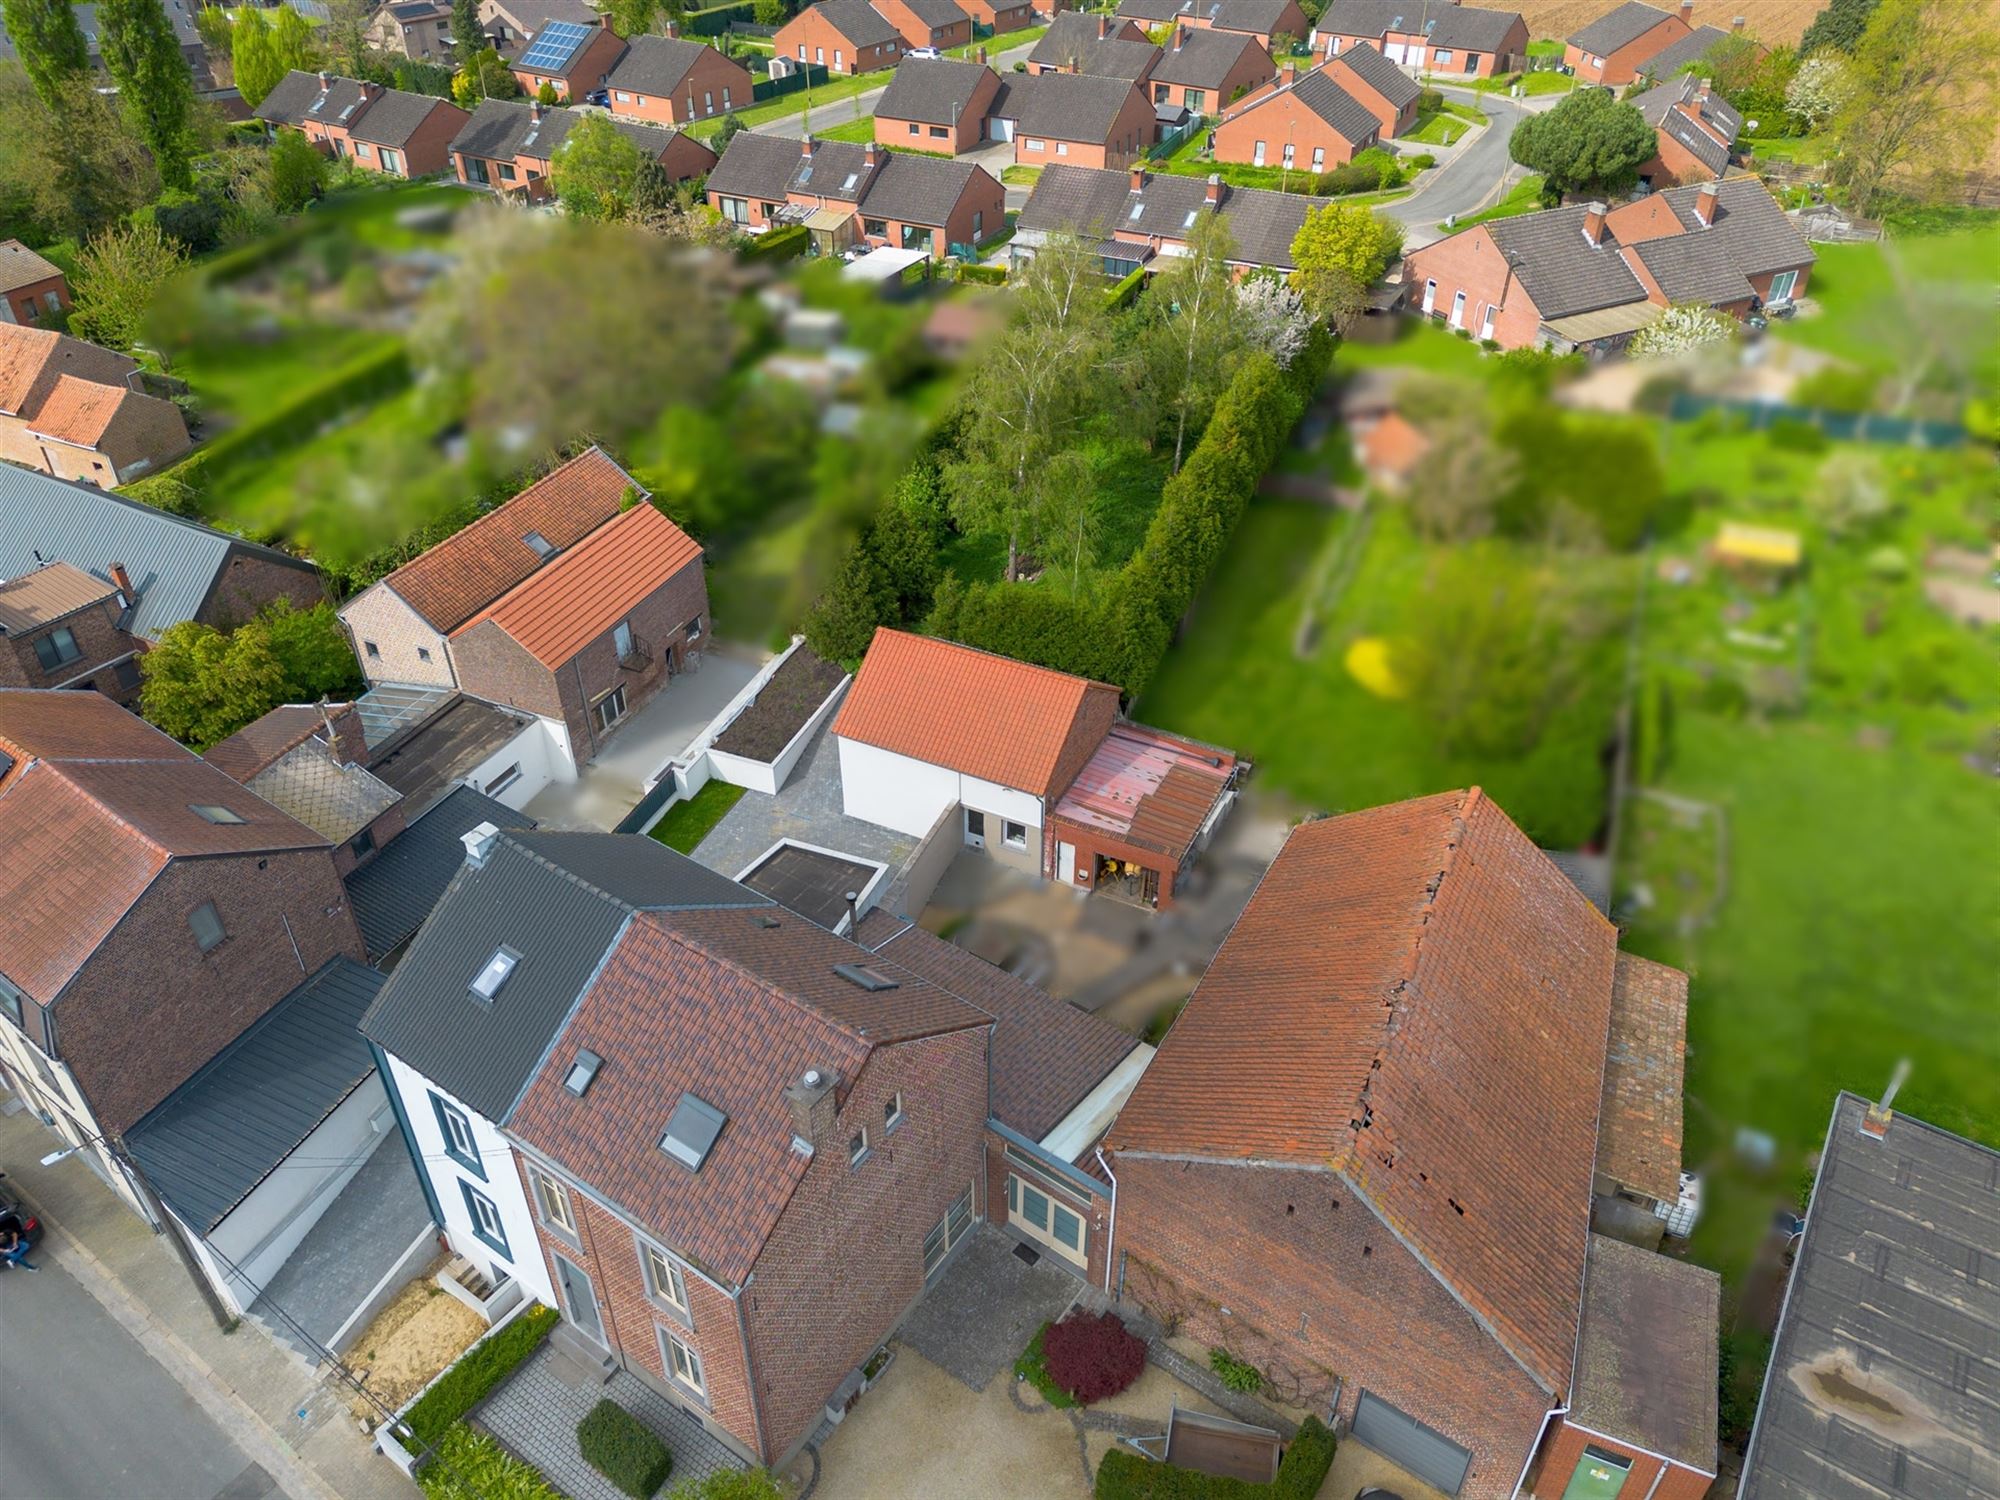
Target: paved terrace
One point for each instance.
(808, 809)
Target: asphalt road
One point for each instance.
(1474, 178)
(86, 1414)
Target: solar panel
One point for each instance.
(554, 45)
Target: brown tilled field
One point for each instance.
(1769, 21)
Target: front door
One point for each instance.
(1600, 1475)
(579, 1299)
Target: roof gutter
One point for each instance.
(1536, 1447)
(1110, 1233)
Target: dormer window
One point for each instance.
(863, 977)
(692, 1131)
(498, 970)
(210, 812)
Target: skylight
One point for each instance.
(852, 178)
(209, 812)
(1193, 214)
(864, 977)
(805, 174)
(499, 968)
(347, 111)
(1137, 209)
(692, 1131)
(582, 1072)
(541, 545)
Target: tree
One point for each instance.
(347, 34)
(467, 35)
(1838, 28)
(595, 170)
(1457, 482)
(1339, 252)
(1691, 325)
(630, 18)
(487, 76)
(1195, 329)
(201, 685)
(768, 12)
(294, 43)
(1589, 140)
(119, 274)
(253, 56)
(216, 30)
(1923, 101)
(49, 43)
(144, 59)
(546, 95)
(732, 127)
(296, 173)
(1818, 89)
(312, 648)
(1274, 317)
(73, 167)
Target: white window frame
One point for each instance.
(552, 1205)
(682, 1362)
(892, 1112)
(666, 1283)
(1257, 155)
(1791, 282)
(856, 1155)
(1007, 827)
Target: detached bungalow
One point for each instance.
(69, 409)
(928, 23)
(1265, 19)
(1443, 38)
(1072, 118)
(937, 105)
(663, 80)
(1000, 15)
(571, 57)
(507, 145)
(1377, 85)
(1612, 49)
(1073, 38)
(843, 36)
(31, 287)
(1691, 48)
(1301, 122)
(386, 130)
(1696, 129)
(508, 24)
(1205, 70)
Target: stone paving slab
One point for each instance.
(808, 809)
(981, 1312)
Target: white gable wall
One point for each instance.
(893, 791)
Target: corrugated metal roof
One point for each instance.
(213, 1139)
(395, 891)
(173, 563)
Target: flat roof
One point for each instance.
(446, 747)
(813, 882)
(1646, 1356)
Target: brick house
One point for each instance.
(562, 603)
(1378, 86)
(1072, 41)
(935, 104)
(1305, 122)
(850, 195)
(311, 762)
(684, 1098)
(1073, 118)
(1614, 48)
(1692, 48)
(390, 131)
(1461, 40)
(62, 628)
(168, 569)
(31, 287)
(843, 36)
(419, 30)
(1035, 767)
(1587, 277)
(508, 24)
(573, 58)
(1205, 70)
(1138, 216)
(71, 409)
(1364, 1165)
(153, 910)
(508, 145)
(1267, 20)
(1000, 15)
(927, 23)
(1696, 129)
(664, 80)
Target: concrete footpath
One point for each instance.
(263, 1396)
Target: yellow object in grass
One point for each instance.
(1368, 662)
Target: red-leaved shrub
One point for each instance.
(1092, 1355)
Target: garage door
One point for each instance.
(1431, 1456)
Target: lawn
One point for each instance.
(1524, 197)
(1019, 176)
(1010, 41)
(1805, 148)
(840, 86)
(1421, 344)
(240, 380)
(1439, 129)
(688, 822)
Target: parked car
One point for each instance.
(600, 97)
(923, 52)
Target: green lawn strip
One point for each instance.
(1006, 41)
(1472, 114)
(687, 823)
(1439, 129)
(1547, 82)
(840, 86)
(1524, 197)
(240, 380)
(1034, 1369)
(862, 129)
(1801, 148)
(1418, 345)
(1546, 47)
(1019, 176)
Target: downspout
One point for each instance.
(1111, 1233)
(1547, 1417)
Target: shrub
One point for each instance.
(1234, 1373)
(1791, 436)
(1033, 1367)
(483, 1366)
(729, 1484)
(1422, 160)
(472, 1466)
(624, 1450)
(1128, 1476)
(1092, 1356)
(983, 275)
(780, 244)
(1127, 289)
(1837, 389)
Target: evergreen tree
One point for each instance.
(1839, 26)
(50, 44)
(257, 70)
(144, 58)
(466, 31)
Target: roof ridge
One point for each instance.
(686, 940)
(506, 836)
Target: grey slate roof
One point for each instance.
(655, 64)
(1704, 147)
(395, 891)
(502, 129)
(1383, 76)
(1069, 36)
(1646, 1352)
(1881, 1382)
(1751, 231)
(933, 91)
(287, 101)
(1657, 105)
(226, 1129)
(1064, 106)
(910, 189)
(858, 21)
(1333, 104)
(1096, 203)
(1470, 28)
(1619, 28)
(1691, 48)
(1153, 12)
(1561, 270)
(1688, 270)
(1115, 57)
(395, 116)
(917, 189)
(174, 563)
(756, 166)
(1446, 25)
(1257, 17)
(937, 14)
(558, 899)
(1204, 58)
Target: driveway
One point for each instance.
(979, 1315)
(1479, 172)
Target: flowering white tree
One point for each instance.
(1818, 90)
(1679, 329)
(1274, 318)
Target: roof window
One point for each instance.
(540, 545)
(210, 812)
(499, 969)
(691, 1132)
(1137, 209)
(583, 1072)
(863, 977)
(852, 178)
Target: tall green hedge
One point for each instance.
(779, 244)
(483, 1366)
(1128, 1476)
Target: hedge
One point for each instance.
(470, 1465)
(1129, 1476)
(983, 275)
(624, 1450)
(715, 22)
(779, 244)
(1122, 295)
(484, 1366)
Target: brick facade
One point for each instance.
(917, 33)
(101, 643)
(30, 303)
(684, 157)
(586, 72)
(1563, 1450)
(248, 581)
(1093, 1209)
(1471, 262)
(713, 86)
(1130, 134)
(393, 642)
(149, 1007)
(1292, 1271)
(426, 153)
(1014, 18)
(1413, 47)
(1277, 120)
(1622, 66)
(810, 37)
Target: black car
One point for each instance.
(13, 1215)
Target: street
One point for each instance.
(1473, 178)
(85, 1412)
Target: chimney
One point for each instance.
(980, 57)
(1593, 223)
(1180, 35)
(535, 111)
(325, 81)
(1687, 12)
(1702, 88)
(1103, 27)
(1213, 196)
(673, 31)
(478, 844)
(1288, 75)
(605, 19)
(1138, 179)
(1736, 25)
(871, 155)
(807, 145)
(124, 581)
(1875, 1123)
(370, 90)
(814, 1101)
(1704, 203)
(853, 912)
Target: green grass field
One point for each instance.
(1524, 197)
(687, 823)
(1440, 129)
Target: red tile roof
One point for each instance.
(260, 744)
(558, 611)
(24, 352)
(1639, 1141)
(1022, 726)
(1417, 998)
(714, 1004)
(470, 569)
(79, 411)
(97, 804)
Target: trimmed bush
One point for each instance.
(983, 275)
(1127, 289)
(1234, 1373)
(483, 1366)
(1092, 1355)
(1128, 1476)
(779, 244)
(624, 1450)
